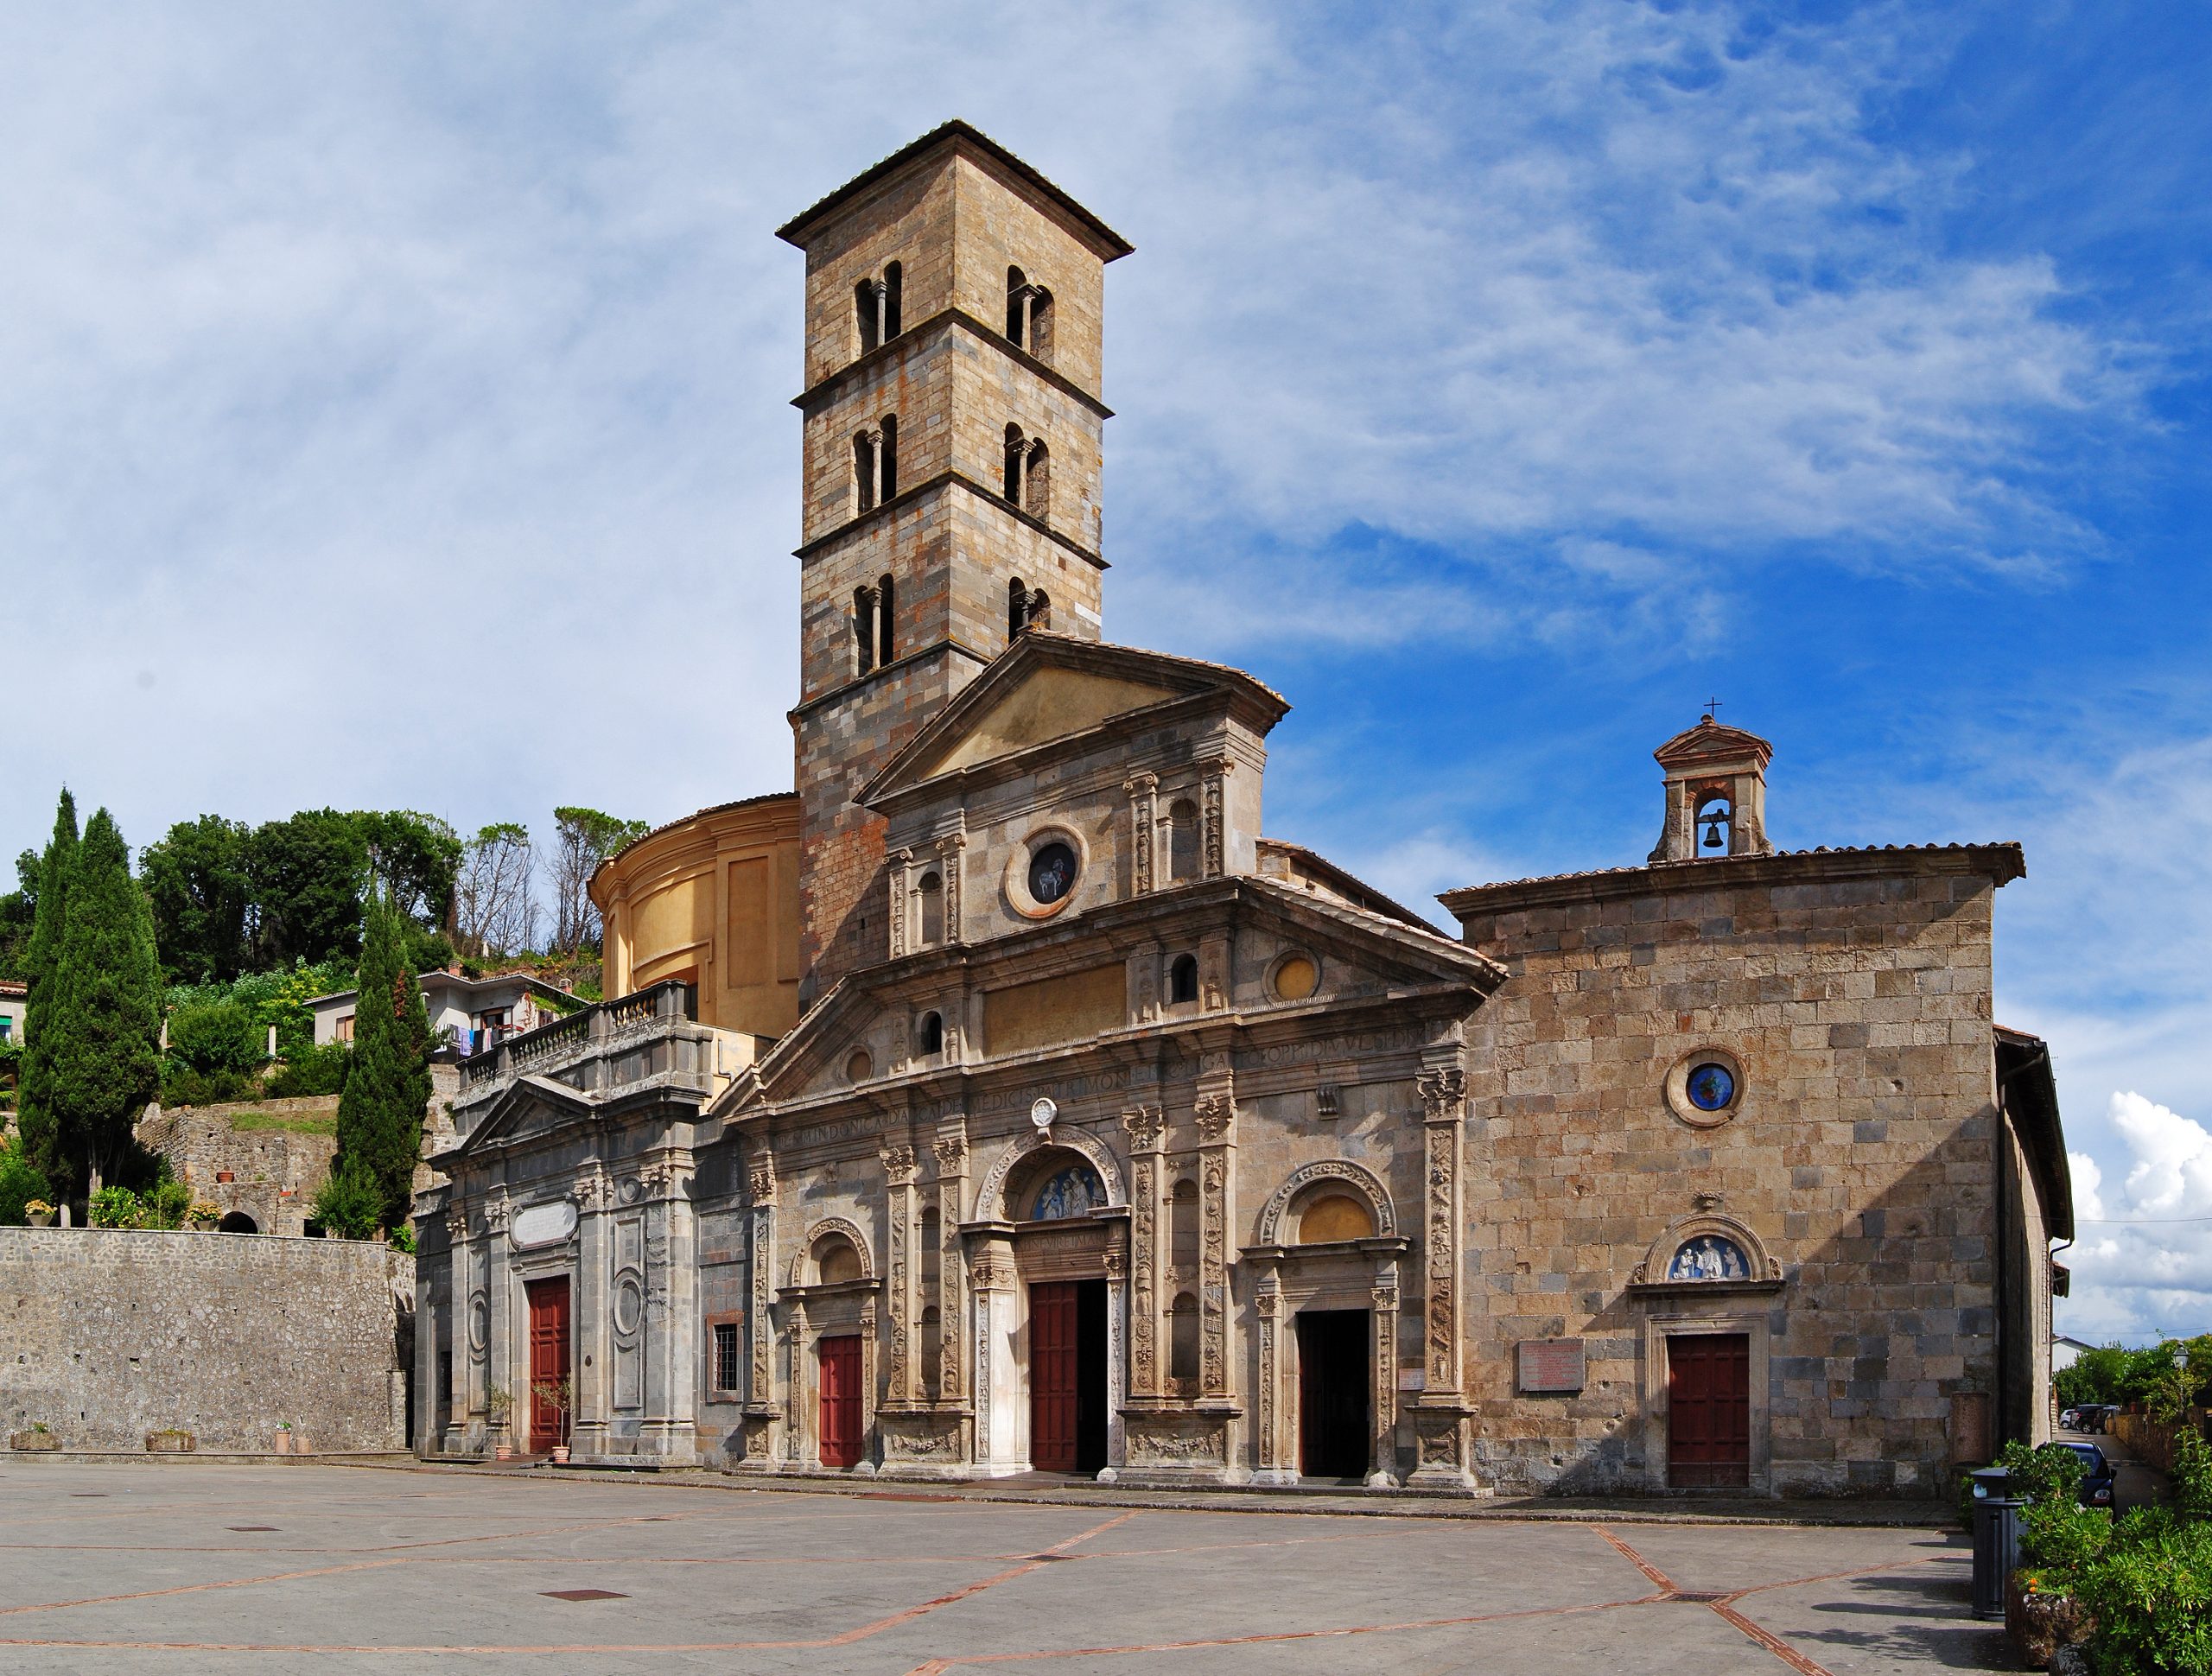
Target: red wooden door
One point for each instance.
(548, 1360)
(1054, 1387)
(841, 1400)
(1708, 1410)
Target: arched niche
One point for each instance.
(802, 1270)
(1656, 1269)
(1316, 1179)
(991, 1196)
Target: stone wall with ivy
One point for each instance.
(113, 1333)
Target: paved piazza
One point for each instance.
(127, 1566)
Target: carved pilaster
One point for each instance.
(902, 1215)
(902, 891)
(1385, 1301)
(1443, 1093)
(1216, 854)
(1217, 1119)
(761, 1182)
(1267, 1305)
(951, 1151)
(1146, 1127)
(1143, 791)
(949, 849)
(795, 1397)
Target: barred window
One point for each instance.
(725, 1356)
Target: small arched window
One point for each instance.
(868, 313)
(1017, 608)
(1182, 839)
(888, 460)
(1016, 458)
(929, 1040)
(1183, 1339)
(894, 278)
(863, 472)
(863, 630)
(933, 1351)
(1183, 978)
(929, 903)
(1183, 1225)
(1037, 481)
(1715, 825)
(884, 641)
(1017, 308)
(1040, 609)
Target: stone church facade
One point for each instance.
(1004, 1100)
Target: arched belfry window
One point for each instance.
(1017, 308)
(929, 1040)
(1017, 608)
(885, 647)
(1016, 459)
(876, 308)
(864, 471)
(1037, 481)
(1182, 839)
(1716, 823)
(888, 458)
(1040, 608)
(863, 630)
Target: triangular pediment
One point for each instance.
(529, 1106)
(1711, 740)
(1049, 688)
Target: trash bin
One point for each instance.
(1996, 1538)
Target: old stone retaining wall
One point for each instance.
(269, 1176)
(107, 1334)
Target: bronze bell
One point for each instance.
(1713, 838)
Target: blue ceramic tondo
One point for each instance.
(1711, 1088)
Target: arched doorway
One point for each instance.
(237, 1222)
(1068, 1399)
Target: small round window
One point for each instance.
(859, 1067)
(1296, 977)
(1051, 872)
(1711, 1086)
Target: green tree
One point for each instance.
(18, 908)
(100, 1027)
(309, 874)
(583, 838)
(199, 880)
(37, 1120)
(388, 1089)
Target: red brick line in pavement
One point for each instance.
(846, 1638)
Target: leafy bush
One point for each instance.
(166, 1204)
(115, 1207)
(2057, 1534)
(402, 1238)
(183, 1086)
(2151, 1596)
(21, 1181)
(311, 1070)
(213, 1038)
(350, 1205)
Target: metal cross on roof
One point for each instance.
(1711, 705)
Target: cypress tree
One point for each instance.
(35, 1118)
(103, 1024)
(388, 1089)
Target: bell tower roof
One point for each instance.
(981, 148)
(1716, 794)
(1710, 742)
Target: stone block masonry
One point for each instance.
(108, 1333)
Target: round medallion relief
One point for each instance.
(1295, 977)
(1705, 1087)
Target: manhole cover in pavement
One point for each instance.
(253, 1528)
(88, 1495)
(1700, 1595)
(583, 1594)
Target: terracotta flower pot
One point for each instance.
(2038, 1624)
(560, 1455)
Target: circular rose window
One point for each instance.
(1711, 1087)
(1051, 872)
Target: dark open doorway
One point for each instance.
(1067, 1376)
(1332, 1397)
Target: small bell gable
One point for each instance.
(1716, 794)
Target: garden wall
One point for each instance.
(108, 1333)
(2152, 1441)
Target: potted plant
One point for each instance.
(206, 1218)
(497, 1401)
(38, 1213)
(39, 1439)
(559, 1395)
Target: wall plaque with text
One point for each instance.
(1551, 1364)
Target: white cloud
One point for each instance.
(2142, 1261)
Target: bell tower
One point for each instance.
(953, 430)
(1716, 794)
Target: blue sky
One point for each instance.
(1496, 380)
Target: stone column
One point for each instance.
(795, 1426)
(1440, 1418)
(669, 1427)
(499, 1336)
(865, 1466)
(1117, 1382)
(1147, 1255)
(468, 1370)
(902, 889)
(996, 1287)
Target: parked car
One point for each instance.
(2069, 1418)
(2097, 1476)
